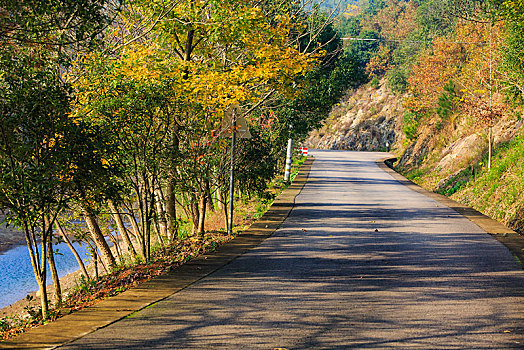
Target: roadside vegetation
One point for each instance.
(87, 292)
(116, 119)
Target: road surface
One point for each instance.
(362, 262)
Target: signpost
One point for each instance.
(238, 128)
(232, 173)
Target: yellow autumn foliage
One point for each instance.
(243, 56)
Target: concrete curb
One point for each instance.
(76, 325)
(512, 240)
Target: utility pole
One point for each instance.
(232, 173)
(490, 130)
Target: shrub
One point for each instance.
(410, 125)
(375, 83)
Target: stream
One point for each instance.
(16, 273)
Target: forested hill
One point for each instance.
(340, 5)
(445, 85)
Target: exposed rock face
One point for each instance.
(458, 150)
(367, 119)
(447, 152)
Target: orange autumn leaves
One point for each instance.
(469, 59)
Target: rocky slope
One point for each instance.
(367, 119)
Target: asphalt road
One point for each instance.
(361, 262)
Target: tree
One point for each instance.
(33, 150)
(36, 41)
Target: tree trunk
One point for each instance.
(39, 265)
(98, 238)
(490, 146)
(73, 250)
(114, 240)
(42, 285)
(225, 210)
(147, 208)
(160, 214)
(202, 214)
(160, 237)
(54, 272)
(172, 226)
(41, 281)
(94, 254)
(209, 198)
(136, 229)
(121, 228)
(195, 215)
(220, 199)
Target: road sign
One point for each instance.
(242, 128)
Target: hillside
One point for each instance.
(439, 101)
(450, 161)
(366, 119)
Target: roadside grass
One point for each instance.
(187, 247)
(498, 192)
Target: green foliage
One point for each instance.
(323, 87)
(459, 181)
(513, 59)
(375, 83)
(83, 285)
(433, 20)
(257, 162)
(4, 324)
(365, 49)
(348, 27)
(410, 124)
(34, 143)
(261, 207)
(397, 80)
(447, 101)
(415, 174)
(295, 167)
(497, 192)
(74, 23)
(374, 6)
(184, 229)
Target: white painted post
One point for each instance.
(289, 156)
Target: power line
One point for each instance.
(417, 41)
